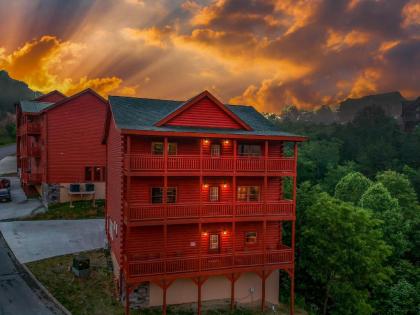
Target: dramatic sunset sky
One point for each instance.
(267, 53)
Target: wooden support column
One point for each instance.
(164, 306)
(199, 281)
(232, 278)
(127, 300)
(164, 200)
(164, 285)
(292, 292)
(263, 278)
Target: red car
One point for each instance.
(5, 190)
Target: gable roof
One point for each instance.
(53, 95)
(143, 114)
(37, 107)
(70, 98)
(191, 102)
(33, 107)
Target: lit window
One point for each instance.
(214, 193)
(249, 150)
(248, 193)
(214, 243)
(250, 238)
(215, 150)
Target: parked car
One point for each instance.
(5, 194)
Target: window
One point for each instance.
(214, 244)
(250, 238)
(98, 174)
(248, 193)
(249, 149)
(157, 195)
(95, 173)
(215, 150)
(214, 193)
(157, 148)
(88, 173)
(171, 195)
(172, 148)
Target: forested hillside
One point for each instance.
(358, 222)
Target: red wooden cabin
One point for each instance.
(59, 143)
(195, 202)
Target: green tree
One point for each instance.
(317, 156)
(400, 188)
(343, 253)
(351, 187)
(386, 208)
(334, 174)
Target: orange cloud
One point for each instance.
(153, 36)
(39, 63)
(411, 14)
(337, 41)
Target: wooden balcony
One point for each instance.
(150, 212)
(138, 268)
(34, 151)
(191, 163)
(30, 128)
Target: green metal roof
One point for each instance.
(143, 113)
(33, 106)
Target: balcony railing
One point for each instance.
(147, 162)
(209, 262)
(30, 128)
(34, 151)
(145, 212)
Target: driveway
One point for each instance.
(6, 150)
(8, 165)
(20, 206)
(36, 240)
(20, 294)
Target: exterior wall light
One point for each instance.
(206, 141)
(226, 142)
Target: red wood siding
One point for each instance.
(75, 131)
(204, 113)
(114, 186)
(184, 240)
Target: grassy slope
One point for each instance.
(95, 295)
(81, 210)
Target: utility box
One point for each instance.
(81, 266)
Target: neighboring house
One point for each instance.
(195, 205)
(411, 114)
(59, 144)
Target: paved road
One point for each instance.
(36, 240)
(20, 294)
(20, 206)
(7, 150)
